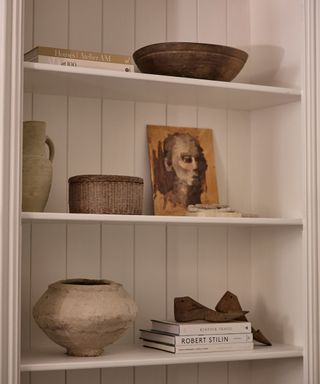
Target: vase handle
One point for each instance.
(49, 142)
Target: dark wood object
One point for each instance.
(187, 309)
(187, 59)
(229, 303)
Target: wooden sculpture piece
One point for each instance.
(229, 303)
(227, 309)
(187, 309)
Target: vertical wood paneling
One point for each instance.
(118, 260)
(118, 137)
(239, 149)
(84, 136)
(182, 280)
(117, 376)
(182, 254)
(182, 20)
(51, 23)
(84, 376)
(238, 32)
(150, 274)
(277, 164)
(217, 120)
(25, 286)
(146, 113)
(212, 18)
(213, 280)
(118, 26)
(27, 106)
(85, 25)
(277, 371)
(53, 110)
(83, 247)
(150, 22)
(278, 307)
(150, 289)
(28, 25)
(212, 264)
(51, 377)
(117, 265)
(48, 264)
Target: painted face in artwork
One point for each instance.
(183, 157)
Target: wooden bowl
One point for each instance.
(197, 60)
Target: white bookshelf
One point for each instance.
(91, 82)
(136, 219)
(135, 356)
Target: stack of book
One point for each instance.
(198, 336)
(78, 58)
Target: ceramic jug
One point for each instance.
(37, 166)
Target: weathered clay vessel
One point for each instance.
(37, 166)
(84, 315)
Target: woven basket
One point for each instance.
(106, 194)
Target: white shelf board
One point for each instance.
(150, 219)
(136, 355)
(92, 82)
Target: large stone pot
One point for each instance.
(84, 315)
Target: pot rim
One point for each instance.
(85, 284)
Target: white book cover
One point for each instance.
(198, 349)
(200, 327)
(82, 63)
(196, 340)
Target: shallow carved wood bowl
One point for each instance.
(186, 59)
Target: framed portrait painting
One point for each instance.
(182, 168)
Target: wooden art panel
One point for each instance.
(146, 113)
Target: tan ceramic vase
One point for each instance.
(84, 315)
(37, 166)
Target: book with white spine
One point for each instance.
(78, 58)
(200, 327)
(83, 63)
(198, 349)
(195, 340)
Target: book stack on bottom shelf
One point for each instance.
(197, 337)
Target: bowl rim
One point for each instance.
(190, 46)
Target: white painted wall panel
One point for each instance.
(239, 173)
(182, 21)
(277, 161)
(51, 23)
(118, 138)
(53, 110)
(118, 26)
(212, 21)
(276, 39)
(216, 119)
(28, 25)
(84, 136)
(85, 25)
(150, 22)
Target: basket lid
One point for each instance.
(105, 178)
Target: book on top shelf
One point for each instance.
(200, 327)
(200, 348)
(77, 58)
(195, 340)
